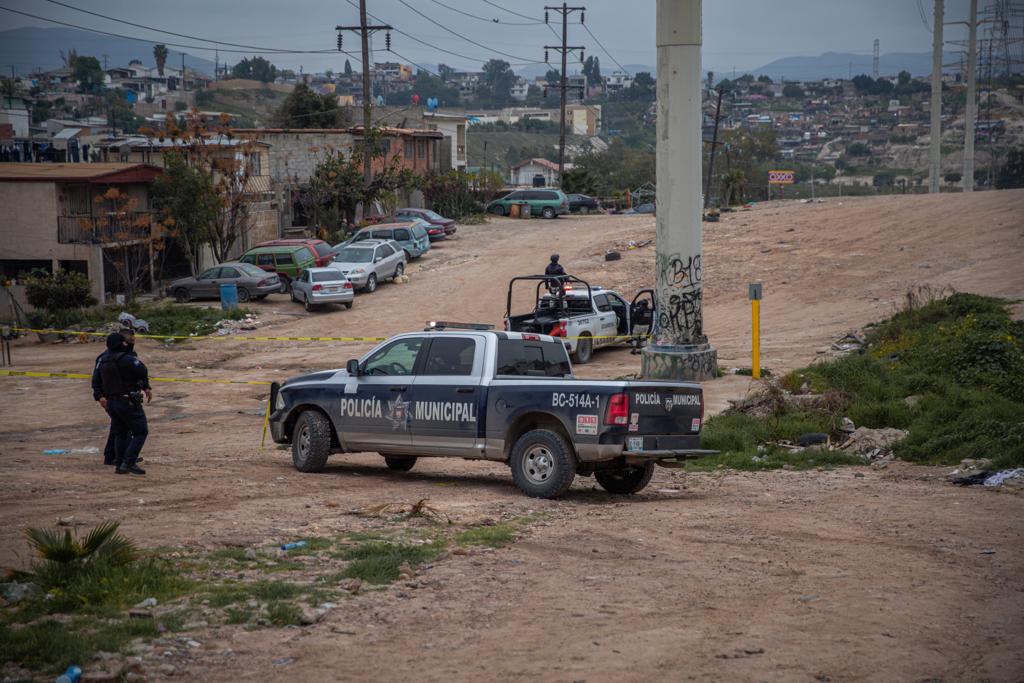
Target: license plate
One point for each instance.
(331, 289)
(635, 444)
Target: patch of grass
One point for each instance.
(313, 546)
(232, 554)
(163, 318)
(748, 372)
(378, 562)
(493, 536)
(774, 459)
(961, 358)
(237, 615)
(50, 645)
(275, 590)
(284, 614)
(175, 621)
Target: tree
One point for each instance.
(89, 74)
(132, 235)
(1011, 173)
(58, 294)
(186, 201)
(114, 106)
(553, 76)
(348, 69)
(792, 90)
(725, 85)
(764, 78)
(428, 86)
(578, 180)
(642, 88)
(903, 78)
(857, 149)
(69, 57)
(733, 185)
(257, 69)
(496, 84)
(160, 55)
(592, 70)
(305, 108)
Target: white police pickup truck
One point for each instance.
(475, 393)
(584, 316)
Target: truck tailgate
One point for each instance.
(663, 411)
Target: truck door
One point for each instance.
(606, 327)
(446, 398)
(642, 314)
(375, 407)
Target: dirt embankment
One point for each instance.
(845, 575)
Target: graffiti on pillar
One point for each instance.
(681, 313)
(696, 365)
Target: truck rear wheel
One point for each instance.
(584, 350)
(399, 463)
(543, 464)
(625, 480)
(311, 442)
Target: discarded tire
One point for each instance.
(612, 256)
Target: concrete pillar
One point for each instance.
(680, 349)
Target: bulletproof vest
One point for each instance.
(115, 383)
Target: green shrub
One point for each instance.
(60, 294)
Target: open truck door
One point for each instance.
(642, 318)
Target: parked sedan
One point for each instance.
(433, 219)
(649, 207)
(581, 203)
(252, 283)
(368, 262)
(318, 286)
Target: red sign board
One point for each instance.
(781, 177)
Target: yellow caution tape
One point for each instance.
(238, 337)
(206, 336)
(73, 375)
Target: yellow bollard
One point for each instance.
(754, 294)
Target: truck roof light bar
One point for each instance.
(438, 325)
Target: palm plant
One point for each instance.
(733, 183)
(160, 56)
(63, 555)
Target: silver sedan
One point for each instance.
(367, 262)
(316, 286)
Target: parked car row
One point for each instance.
(313, 272)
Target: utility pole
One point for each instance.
(182, 72)
(364, 31)
(935, 148)
(714, 146)
(105, 62)
(679, 349)
(972, 108)
(874, 61)
(564, 48)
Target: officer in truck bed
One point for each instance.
(119, 382)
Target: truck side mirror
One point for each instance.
(353, 368)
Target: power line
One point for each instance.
(485, 19)
(604, 49)
(145, 40)
(183, 35)
(459, 35)
(505, 9)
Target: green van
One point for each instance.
(546, 202)
(288, 261)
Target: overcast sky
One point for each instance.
(737, 33)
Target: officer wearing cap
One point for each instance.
(554, 268)
(109, 451)
(119, 381)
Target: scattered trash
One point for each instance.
(147, 603)
(417, 509)
(72, 451)
(16, 592)
(194, 643)
(226, 327)
(284, 661)
(846, 425)
(72, 674)
(66, 521)
(848, 343)
(873, 444)
(988, 551)
(972, 479)
(1004, 476)
(138, 324)
(293, 545)
(612, 256)
(812, 439)
(401, 280)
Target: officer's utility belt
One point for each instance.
(133, 397)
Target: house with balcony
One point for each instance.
(453, 146)
(55, 217)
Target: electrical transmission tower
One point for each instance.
(564, 49)
(874, 64)
(365, 30)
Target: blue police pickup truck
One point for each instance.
(472, 392)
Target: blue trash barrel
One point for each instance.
(228, 296)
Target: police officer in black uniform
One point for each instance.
(554, 268)
(119, 381)
(110, 450)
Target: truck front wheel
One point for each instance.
(543, 464)
(625, 480)
(311, 442)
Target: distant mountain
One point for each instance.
(32, 48)
(843, 64)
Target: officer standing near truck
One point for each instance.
(120, 380)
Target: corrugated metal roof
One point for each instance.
(80, 172)
(67, 133)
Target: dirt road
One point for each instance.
(843, 575)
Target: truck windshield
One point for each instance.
(521, 358)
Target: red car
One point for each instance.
(436, 220)
(321, 249)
